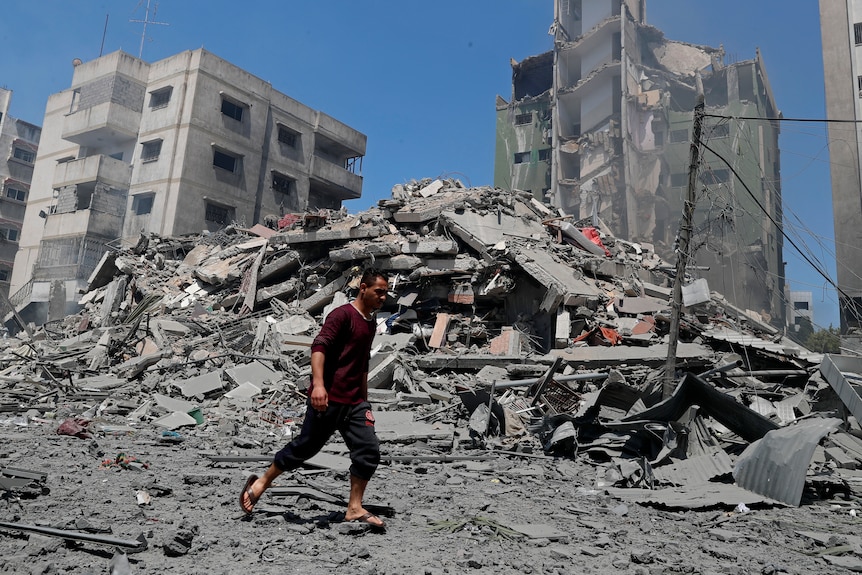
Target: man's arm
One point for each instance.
(319, 396)
(365, 386)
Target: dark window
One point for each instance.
(710, 177)
(287, 136)
(800, 305)
(522, 119)
(10, 234)
(16, 194)
(142, 204)
(522, 157)
(545, 155)
(719, 131)
(859, 85)
(857, 31)
(282, 184)
(231, 109)
(24, 155)
(678, 180)
(160, 98)
(677, 136)
(4, 275)
(217, 214)
(150, 151)
(224, 161)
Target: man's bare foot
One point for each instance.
(364, 516)
(250, 495)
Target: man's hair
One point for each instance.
(370, 275)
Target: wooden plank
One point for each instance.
(441, 326)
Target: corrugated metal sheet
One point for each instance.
(842, 373)
(783, 347)
(691, 496)
(775, 466)
(693, 470)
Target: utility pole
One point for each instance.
(684, 240)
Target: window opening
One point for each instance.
(287, 136)
(24, 155)
(231, 109)
(224, 161)
(150, 151)
(522, 157)
(160, 98)
(142, 204)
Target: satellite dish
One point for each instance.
(77, 62)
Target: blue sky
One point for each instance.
(420, 78)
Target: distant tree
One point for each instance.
(802, 331)
(825, 340)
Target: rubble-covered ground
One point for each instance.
(526, 421)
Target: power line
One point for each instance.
(762, 119)
(776, 224)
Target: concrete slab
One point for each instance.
(255, 372)
(399, 426)
(493, 227)
(548, 272)
(175, 420)
(173, 404)
(201, 385)
(538, 530)
(245, 390)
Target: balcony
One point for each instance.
(340, 134)
(102, 125)
(337, 181)
(93, 169)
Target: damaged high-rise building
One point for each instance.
(600, 127)
(19, 142)
(182, 145)
(841, 33)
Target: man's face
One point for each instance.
(374, 295)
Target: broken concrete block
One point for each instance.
(201, 385)
(507, 343)
(175, 420)
(380, 375)
(245, 390)
(173, 404)
(254, 372)
(378, 395)
(416, 398)
(431, 189)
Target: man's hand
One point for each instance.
(319, 397)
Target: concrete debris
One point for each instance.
(517, 347)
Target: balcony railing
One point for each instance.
(103, 124)
(92, 169)
(341, 182)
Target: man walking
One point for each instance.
(338, 400)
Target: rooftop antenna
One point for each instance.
(146, 21)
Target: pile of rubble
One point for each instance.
(509, 328)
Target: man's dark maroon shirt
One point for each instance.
(345, 340)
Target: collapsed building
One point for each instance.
(509, 335)
(600, 126)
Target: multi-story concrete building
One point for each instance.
(600, 127)
(800, 304)
(841, 34)
(19, 142)
(182, 145)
